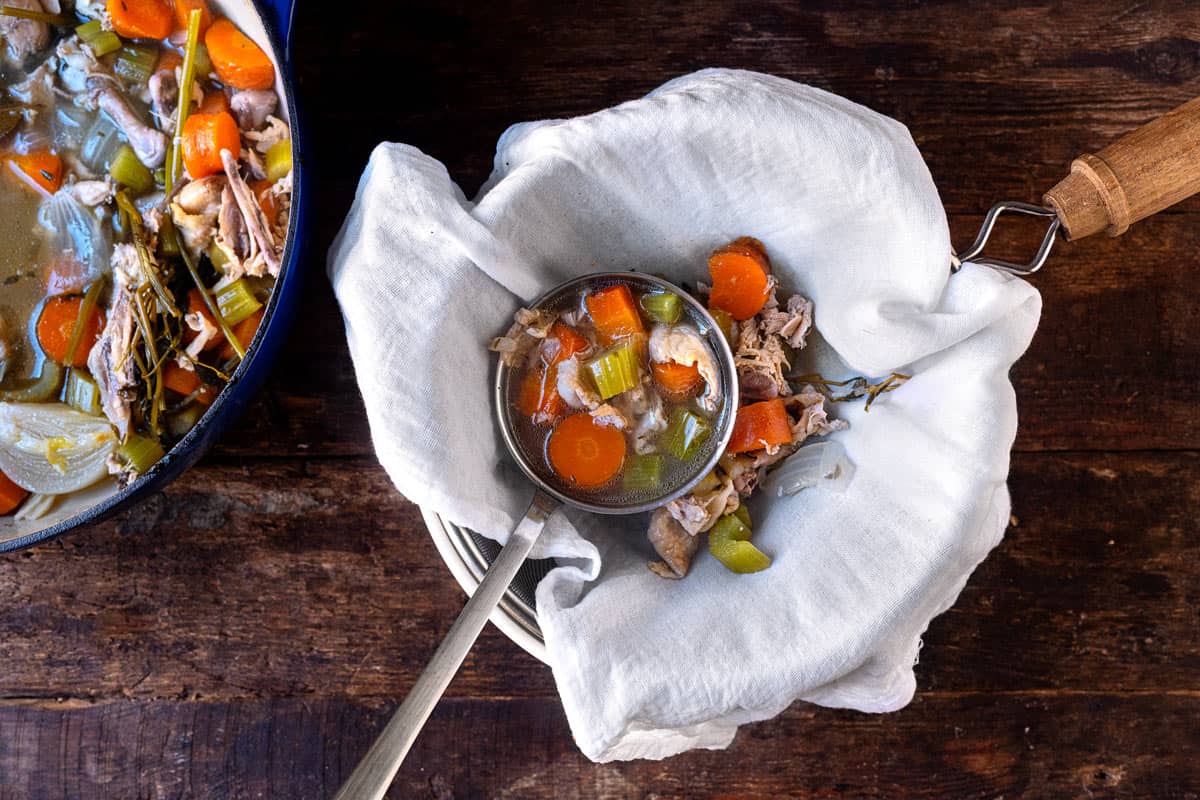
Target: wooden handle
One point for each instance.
(1140, 174)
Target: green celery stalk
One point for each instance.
(237, 302)
(642, 472)
(127, 170)
(729, 543)
(685, 434)
(615, 371)
(279, 160)
(743, 513)
(101, 41)
(140, 453)
(82, 393)
(135, 62)
(665, 307)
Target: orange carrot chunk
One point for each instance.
(585, 453)
(614, 313)
(41, 170)
(183, 12)
(739, 278)
(213, 103)
(760, 425)
(239, 62)
(56, 325)
(179, 380)
(676, 382)
(140, 19)
(562, 343)
(245, 331)
(204, 137)
(538, 399)
(11, 495)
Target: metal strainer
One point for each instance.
(374, 773)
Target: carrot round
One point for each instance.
(204, 137)
(676, 382)
(183, 12)
(11, 495)
(41, 170)
(56, 325)
(140, 19)
(739, 278)
(614, 313)
(585, 453)
(239, 62)
(214, 102)
(760, 425)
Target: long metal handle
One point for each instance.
(373, 775)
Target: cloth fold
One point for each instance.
(846, 207)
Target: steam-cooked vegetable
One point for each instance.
(685, 434)
(204, 137)
(50, 448)
(279, 160)
(41, 170)
(822, 464)
(239, 62)
(615, 371)
(11, 495)
(236, 301)
(643, 472)
(129, 171)
(139, 453)
(101, 42)
(140, 19)
(61, 317)
(614, 314)
(585, 453)
(729, 543)
(82, 393)
(665, 307)
(676, 381)
(760, 425)
(136, 62)
(740, 284)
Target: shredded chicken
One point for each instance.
(164, 93)
(110, 360)
(262, 254)
(93, 193)
(813, 419)
(252, 107)
(275, 132)
(76, 63)
(573, 389)
(611, 416)
(684, 345)
(24, 37)
(700, 510)
(205, 331)
(529, 328)
(762, 363)
(194, 212)
(643, 404)
(793, 324)
(37, 90)
(674, 545)
(148, 144)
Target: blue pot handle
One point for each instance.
(279, 13)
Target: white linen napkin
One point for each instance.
(649, 667)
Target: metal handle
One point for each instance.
(373, 775)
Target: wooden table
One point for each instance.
(246, 634)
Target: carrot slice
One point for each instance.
(614, 313)
(213, 103)
(204, 137)
(183, 13)
(56, 325)
(41, 170)
(266, 200)
(760, 425)
(239, 62)
(11, 495)
(562, 343)
(140, 19)
(245, 332)
(179, 380)
(585, 453)
(739, 278)
(676, 382)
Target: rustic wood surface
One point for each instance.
(246, 633)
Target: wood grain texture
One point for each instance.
(246, 633)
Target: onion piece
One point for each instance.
(823, 464)
(36, 507)
(50, 448)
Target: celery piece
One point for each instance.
(685, 433)
(82, 393)
(217, 256)
(127, 170)
(135, 62)
(725, 322)
(204, 65)
(279, 160)
(140, 453)
(43, 388)
(728, 541)
(101, 42)
(237, 302)
(664, 307)
(743, 513)
(168, 244)
(643, 472)
(615, 371)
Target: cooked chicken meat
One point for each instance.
(252, 107)
(674, 545)
(575, 391)
(194, 211)
(110, 360)
(148, 144)
(24, 37)
(700, 510)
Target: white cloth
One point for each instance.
(649, 667)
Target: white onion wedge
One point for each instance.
(822, 464)
(50, 448)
